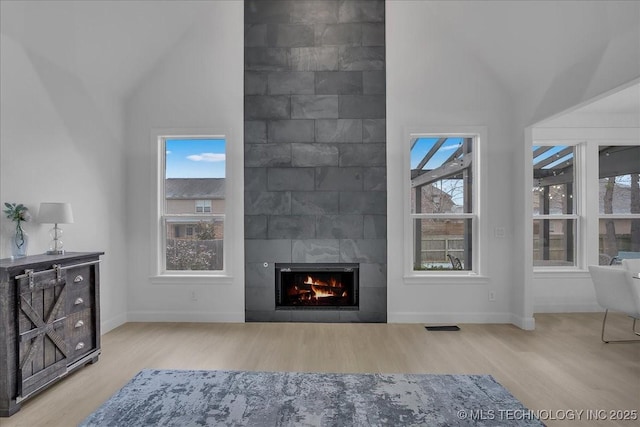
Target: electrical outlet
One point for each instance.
(492, 295)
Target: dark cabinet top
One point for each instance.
(46, 261)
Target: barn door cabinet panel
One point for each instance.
(49, 322)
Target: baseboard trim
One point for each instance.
(179, 316)
(566, 308)
(437, 318)
(110, 324)
(525, 323)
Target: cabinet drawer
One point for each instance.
(80, 337)
(79, 299)
(79, 289)
(78, 276)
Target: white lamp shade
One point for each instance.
(55, 213)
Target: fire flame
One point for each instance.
(323, 289)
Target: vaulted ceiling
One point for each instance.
(111, 45)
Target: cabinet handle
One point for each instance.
(80, 346)
(78, 301)
(78, 279)
(79, 324)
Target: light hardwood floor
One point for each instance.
(561, 366)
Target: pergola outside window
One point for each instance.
(442, 213)
(555, 220)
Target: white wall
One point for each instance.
(481, 63)
(56, 144)
(609, 60)
(572, 291)
(435, 81)
(198, 85)
(53, 116)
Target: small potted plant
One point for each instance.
(17, 212)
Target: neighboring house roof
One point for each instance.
(194, 188)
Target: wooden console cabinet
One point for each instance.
(49, 321)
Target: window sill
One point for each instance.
(560, 273)
(191, 279)
(446, 279)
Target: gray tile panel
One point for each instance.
(255, 131)
(318, 203)
(291, 130)
(315, 155)
(362, 107)
(363, 154)
(340, 227)
(314, 106)
(338, 82)
(257, 155)
(267, 203)
(291, 227)
(361, 58)
(290, 179)
(267, 59)
(305, 155)
(290, 35)
(315, 250)
(291, 82)
(267, 107)
(338, 34)
(374, 130)
(339, 179)
(313, 58)
(361, 11)
(339, 130)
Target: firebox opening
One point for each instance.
(317, 286)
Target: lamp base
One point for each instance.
(56, 252)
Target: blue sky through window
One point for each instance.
(195, 158)
(422, 147)
(453, 187)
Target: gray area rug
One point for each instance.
(241, 398)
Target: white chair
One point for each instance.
(617, 290)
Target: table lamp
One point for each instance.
(55, 213)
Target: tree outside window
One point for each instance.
(619, 203)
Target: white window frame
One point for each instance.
(479, 238)
(203, 205)
(578, 204)
(586, 178)
(233, 203)
(602, 216)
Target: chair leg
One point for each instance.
(604, 321)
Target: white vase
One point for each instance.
(19, 243)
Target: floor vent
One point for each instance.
(443, 328)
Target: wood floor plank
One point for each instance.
(561, 366)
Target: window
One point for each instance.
(618, 203)
(443, 215)
(203, 206)
(555, 221)
(193, 174)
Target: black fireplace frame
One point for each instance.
(317, 268)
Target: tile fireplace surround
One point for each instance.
(315, 149)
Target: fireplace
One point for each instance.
(327, 286)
